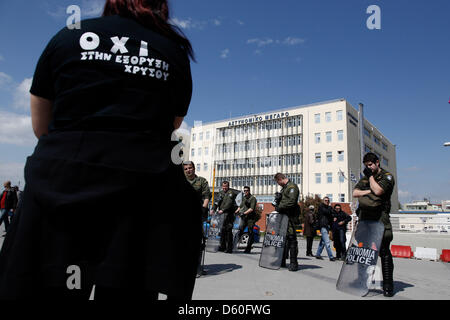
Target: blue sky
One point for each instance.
(254, 56)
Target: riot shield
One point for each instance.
(236, 231)
(214, 232)
(274, 241)
(360, 262)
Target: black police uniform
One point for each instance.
(98, 185)
(372, 207)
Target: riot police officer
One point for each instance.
(374, 192)
(201, 188)
(288, 204)
(226, 204)
(248, 215)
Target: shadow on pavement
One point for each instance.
(216, 269)
(305, 267)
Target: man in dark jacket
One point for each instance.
(325, 217)
(338, 228)
(8, 203)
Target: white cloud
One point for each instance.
(16, 129)
(21, 95)
(189, 23)
(92, 8)
(260, 42)
(12, 171)
(224, 53)
(292, 41)
(289, 41)
(5, 80)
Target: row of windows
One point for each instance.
(329, 156)
(339, 116)
(328, 136)
(261, 162)
(199, 152)
(340, 197)
(257, 181)
(200, 136)
(260, 144)
(260, 126)
(329, 177)
(376, 139)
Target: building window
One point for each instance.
(317, 137)
(366, 132)
(317, 118)
(206, 151)
(376, 140)
(341, 197)
(193, 137)
(340, 135)
(341, 177)
(192, 152)
(330, 196)
(385, 147)
(385, 162)
(328, 136)
(205, 167)
(327, 116)
(329, 156)
(340, 155)
(199, 166)
(339, 115)
(318, 178)
(367, 149)
(329, 177)
(199, 151)
(318, 157)
(200, 136)
(207, 135)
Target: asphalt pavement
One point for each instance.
(238, 276)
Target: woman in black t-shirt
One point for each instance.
(98, 205)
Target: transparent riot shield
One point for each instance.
(274, 241)
(214, 232)
(359, 266)
(236, 231)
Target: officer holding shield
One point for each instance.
(374, 192)
(289, 205)
(248, 214)
(226, 204)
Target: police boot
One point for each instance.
(387, 267)
(283, 260)
(293, 253)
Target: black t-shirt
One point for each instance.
(114, 74)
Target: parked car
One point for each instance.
(244, 237)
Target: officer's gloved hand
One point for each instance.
(367, 172)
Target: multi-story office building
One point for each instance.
(317, 146)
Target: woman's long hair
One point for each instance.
(150, 13)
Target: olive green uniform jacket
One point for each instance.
(372, 207)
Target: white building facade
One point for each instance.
(317, 146)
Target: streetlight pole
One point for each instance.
(361, 135)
